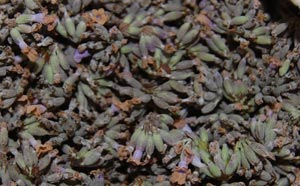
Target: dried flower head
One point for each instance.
(180, 175)
(95, 17)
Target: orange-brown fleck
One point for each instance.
(203, 19)
(96, 17)
(274, 61)
(260, 17)
(179, 175)
(238, 106)
(50, 21)
(115, 48)
(169, 49)
(178, 148)
(31, 53)
(123, 153)
(125, 106)
(43, 148)
(179, 124)
(276, 107)
(23, 98)
(37, 110)
(189, 155)
(17, 68)
(166, 68)
(160, 178)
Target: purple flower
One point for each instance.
(138, 153)
(183, 163)
(137, 156)
(79, 56)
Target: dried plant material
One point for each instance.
(37, 110)
(179, 175)
(276, 107)
(98, 134)
(115, 48)
(160, 178)
(125, 106)
(261, 17)
(18, 69)
(204, 20)
(179, 124)
(134, 101)
(43, 148)
(10, 22)
(31, 53)
(188, 154)
(138, 162)
(95, 17)
(179, 148)
(50, 21)
(238, 106)
(273, 61)
(146, 62)
(76, 176)
(23, 98)
(169, 48)
(208, 90)
(123, 153)
(164, 68)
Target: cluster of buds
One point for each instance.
(151, 135)
(67, 28)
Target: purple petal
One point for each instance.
(79, 56)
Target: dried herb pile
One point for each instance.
(141, 92)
